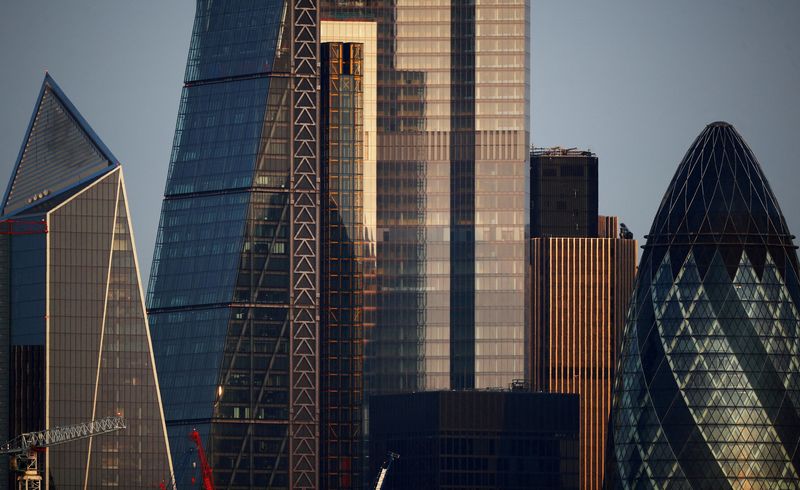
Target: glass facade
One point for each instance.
(477, 440)
(563, 193)
(452, 191)
(58, 154)
(708, 387)
(348, 265)
(79, 339)
(232, 294)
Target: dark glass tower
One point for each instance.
(708, 387)
(233, 288)
(477, 440)
(563, 193)
(76, 345)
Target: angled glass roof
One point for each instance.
(60, 151)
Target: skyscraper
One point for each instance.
(477, 439)
(76, 335)
(348, 116)
(452, 191)
(234, 282)
(348, 266)
(708, 389)
(582, 272)
(563, 192)
(579, 294)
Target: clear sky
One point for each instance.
(635, 81)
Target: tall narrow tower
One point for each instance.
(582, 272)
(348, 266)
(233, 288)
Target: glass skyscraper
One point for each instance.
(452, 191)
(564, 193)
(347, 266)
(233, 288)
(75, 341)
(477, 440)
(441, 213)
(707, 393)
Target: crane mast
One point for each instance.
(24, 447)
(205, 468)
(387, 463)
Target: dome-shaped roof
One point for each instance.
(719, 196)
(707, 388)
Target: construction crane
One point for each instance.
(205, 468)
(23, 449)
(387, 463)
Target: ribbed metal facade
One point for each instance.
(580, 290)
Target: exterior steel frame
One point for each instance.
(305, 219)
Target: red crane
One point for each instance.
(22, 227)
(205, 468)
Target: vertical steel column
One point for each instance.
(304, 340)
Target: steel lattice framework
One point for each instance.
(304, 450)
(62, 435)
(24, 447)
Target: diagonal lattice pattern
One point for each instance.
(708, 393)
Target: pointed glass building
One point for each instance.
(233, 288)
(708, 387)
(73, 330)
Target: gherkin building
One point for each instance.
(707, 394)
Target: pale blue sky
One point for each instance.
(633, 80)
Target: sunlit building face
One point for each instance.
(452, 191)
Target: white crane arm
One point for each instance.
(61, 435)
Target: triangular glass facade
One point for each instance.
(79, 339)
(60, 150)
(707, 393)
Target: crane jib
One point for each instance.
(61, 435)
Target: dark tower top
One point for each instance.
(563, 193)
(719, 197)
